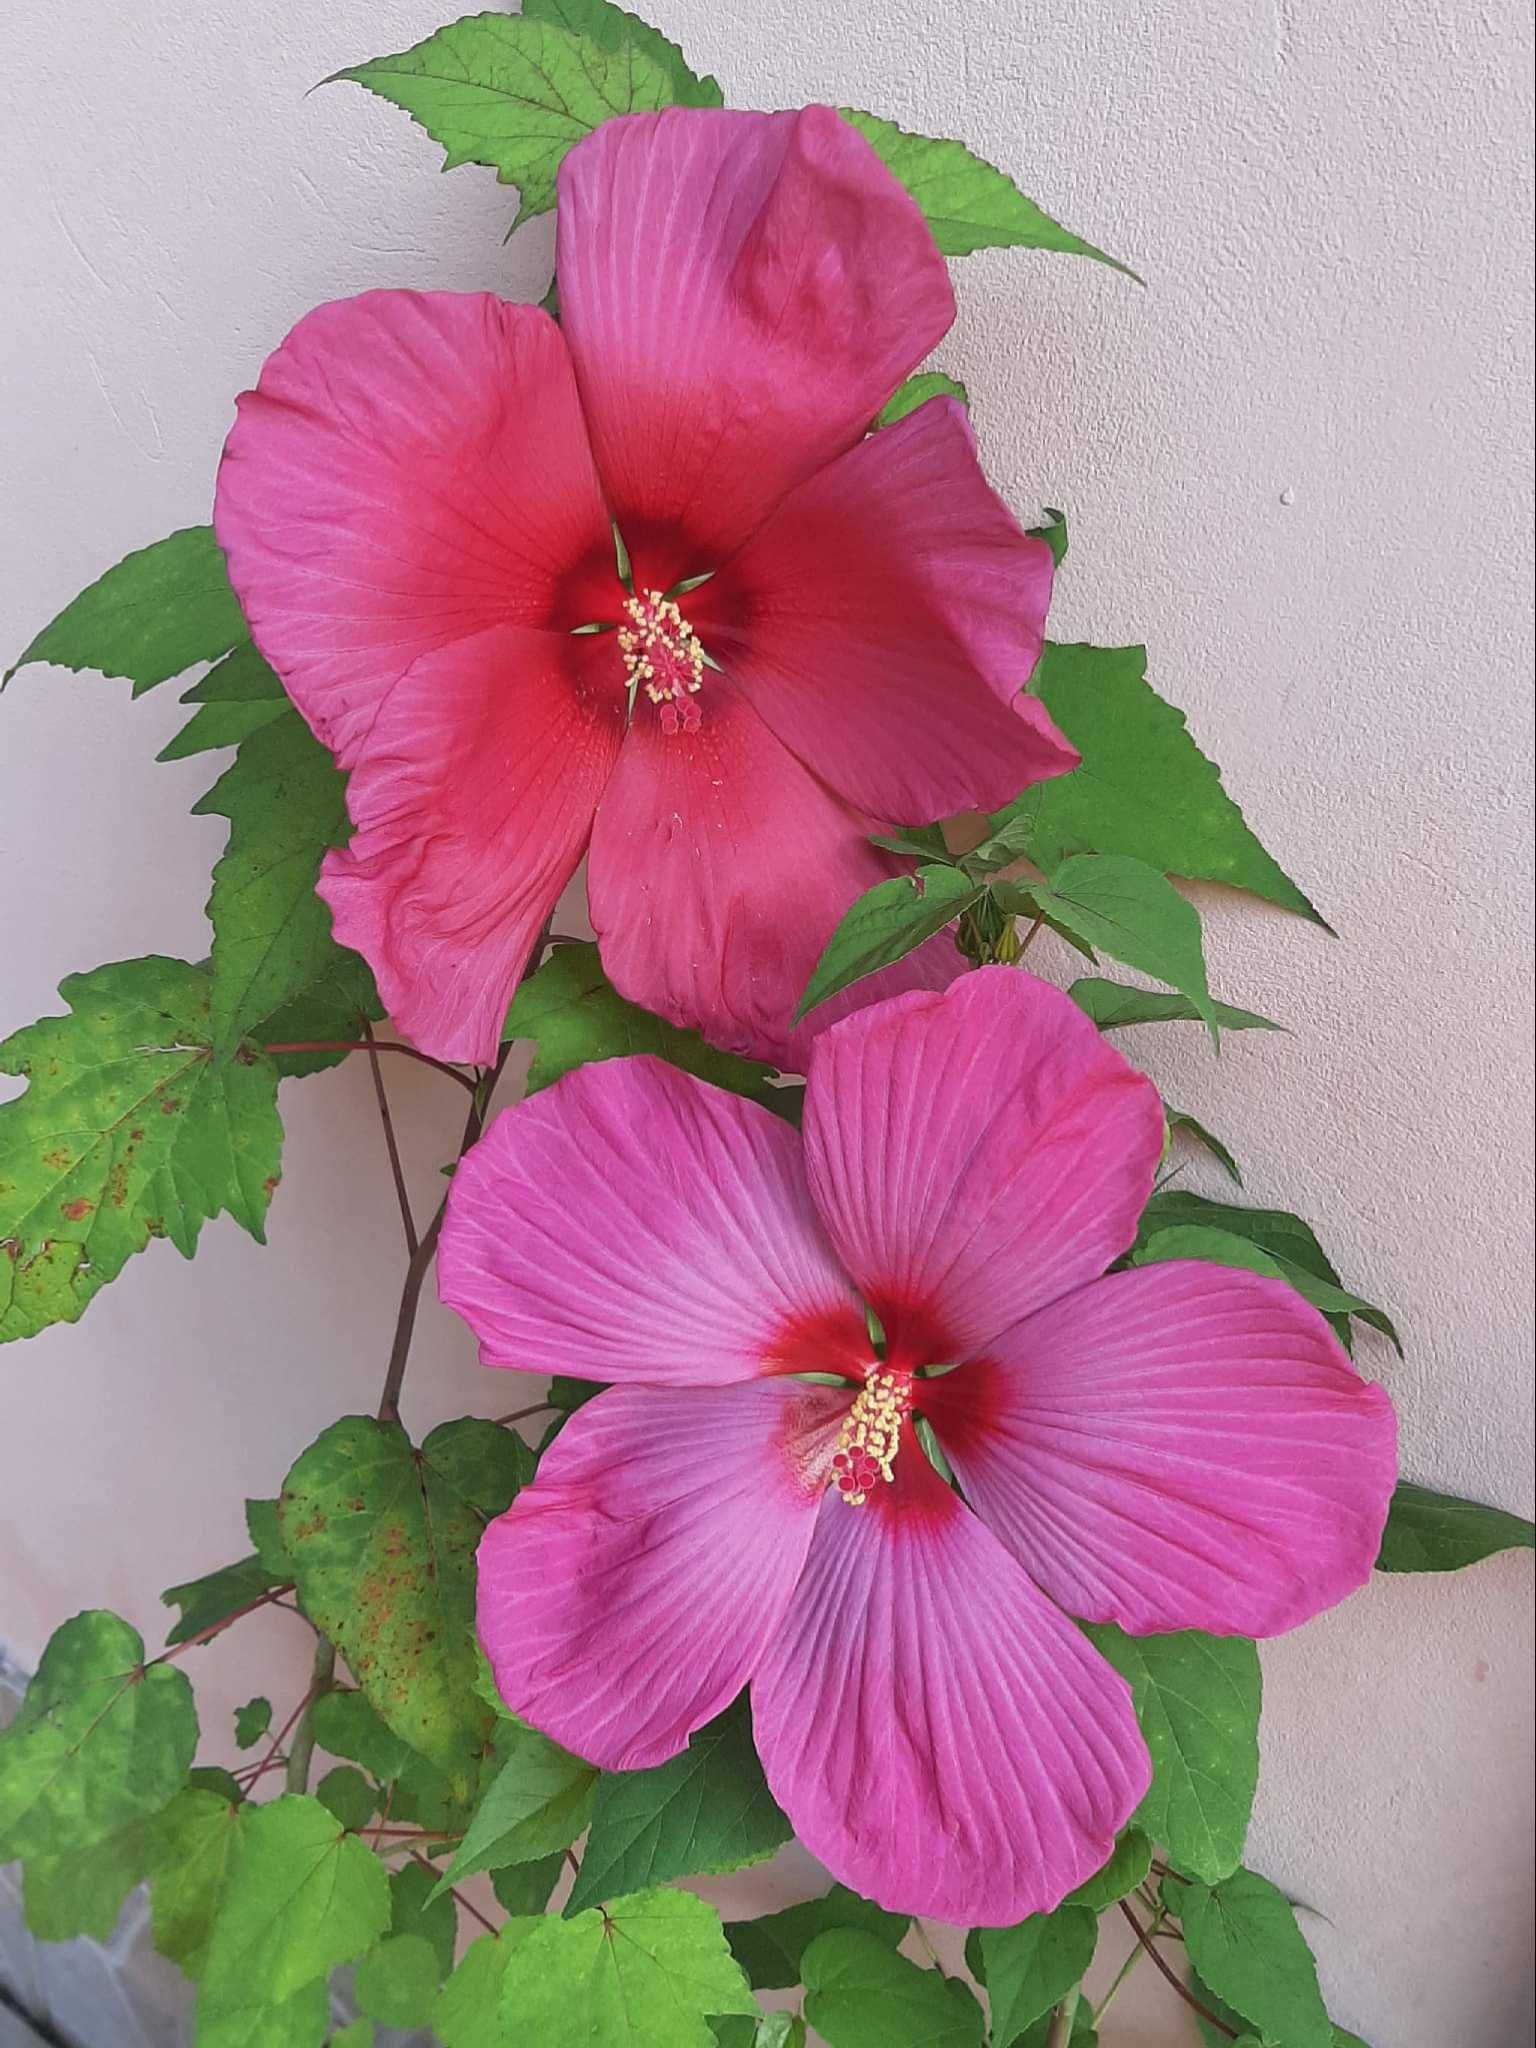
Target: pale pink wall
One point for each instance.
(1296, 465)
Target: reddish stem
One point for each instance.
(379, 1045)
(1172, 1976)
(396, 1169)
(523, 1414)
(457, 1896)
(217, 1628)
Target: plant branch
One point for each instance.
(322, 1672)
(217, 1628)
(457, 1896)
(1029, 937)
(377, 1045)
(1173, 1978)
(525, 1414)
(397, 1171)
(1126, 1967)
(1060, 2031)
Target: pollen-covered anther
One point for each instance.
(662, 656)
(870, 1437)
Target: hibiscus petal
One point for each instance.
(974, 1155)
(411, 469)
(1179, 1446)
(943, 1739)
(633, 1223)
(472, 794)
(741, 293)
(723, 845)
(627, 1595)
(884, 621)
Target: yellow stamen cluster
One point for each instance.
(870, 1436)
(661, 650)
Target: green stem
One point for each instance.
(302, 1747)
(1127, 1966)
(1060, 2030)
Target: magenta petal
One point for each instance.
(627, 1595)
(473, 793)
(632, 1223)
(974, 1155)
(741, 293)
(942, 1738)
(1179, 1446)
(720, 868)
(411, 469)
(884, 621)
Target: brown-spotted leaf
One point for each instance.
(383, 1536)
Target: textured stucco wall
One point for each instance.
(1295, 465)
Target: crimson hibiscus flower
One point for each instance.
(826, 628)
(1169, 1447)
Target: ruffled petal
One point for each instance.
(720, 868)
(626, 1596)
(472, 793)
(943, 1739)
(741, 293)
(633, 1223)
(884, 620)
(1179, 1446)
(974, 1155)
(411, 469)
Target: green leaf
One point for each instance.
(301, 2021)
(861, 1994)
(1144, 788)
(127, 1131)
(397, 1984)
(770, 1950)
(468, 2010)
(1242, 1937)
(82, 1893)
(575, 1016)
(414, 1910)
(909, 396)
(383, 1541)
(301, 1897)
(611, 27)
(285, 801)
(1114, 1005)
(1436, 1532)
(1125, 908)
(348, 1795)
(148, 618)
(919, 842)
(1197, 1699)
(648, 1973)
(968, 203)
(266, 1536)
(773, 2030)
(885, 924)
(1180, 1120)
(1129, 1862)
(539, 1801)
(514, 93)
(1053, 533)
(216, 1596)
(332, 1006)
(347, 1726)
(708, 1810)
(1290, 1244)
(252, 1722)
(525, 1887)
(234, 700)
(1031, 1966)
(195, 1840)
(100, 1740)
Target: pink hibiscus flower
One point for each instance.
(828, 628)
(1169, 1447)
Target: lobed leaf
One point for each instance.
(195, 1841)
(397, 1984)
(217, 1596)
(1242, 1937)
(611, 27)
(129, 1130)
(885, 924)
(468, 2009)
(861, 1994)
(968, 203)
(101, 1740)
(515, 93)
(1197, 1698)
(770, 1950)
(708, 1810)
(1030, 1967)
(152, 615)
(1436, 1532)
(1115, 1005)
(1126, 908)
(537, 1804)
(83, 1892)
(383, 1539)
(234, 700)
(1127, 1866)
